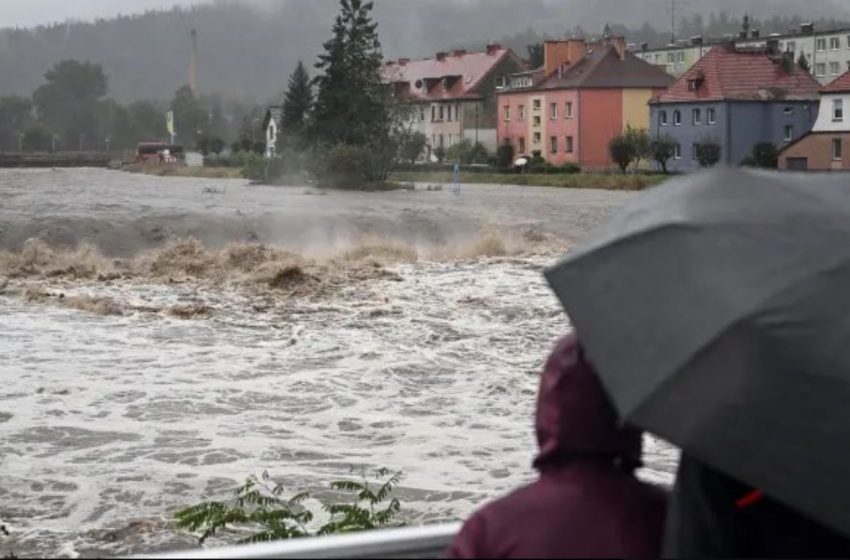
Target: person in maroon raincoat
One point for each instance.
(587, 502)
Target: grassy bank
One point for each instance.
(183, 171)
(608, 181)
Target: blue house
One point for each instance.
(736, 98)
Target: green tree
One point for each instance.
(623, 151)
(15, 114)
(803, 62)
(351, 103)
(766, 155)
(297, 103)
(662, 150)
(708, 152)
(411, 146)
(67, 102)
(536, 55)
(641, 140)
(147, 122)
(189, 116)
(505, 156)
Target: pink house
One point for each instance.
(583, 96)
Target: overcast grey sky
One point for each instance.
(25, 13)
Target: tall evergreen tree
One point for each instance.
(351, 105)
(297, 103)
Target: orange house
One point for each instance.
(584, 95)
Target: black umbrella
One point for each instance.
(716, 308)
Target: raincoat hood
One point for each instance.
(575, 418)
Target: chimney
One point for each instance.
(644, 47)
(193, 65)
(697, 41)
(458, 52)
(807, 29)
(772, 46)
(619, 44)
(562, 53)
(493, 49)
(442, 56)
(755, 34)
(403, 61)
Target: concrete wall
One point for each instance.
(816, 148)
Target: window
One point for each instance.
(422, 114)
(848, 41)
(834, 43)
(680, 57)
(450, 113)
(671, 58)
(434, 114)
(677, 153)
(442, 142)
(553, 108)
(553, 145)
(711, 115)
(536, 137)
(662, 118)
(789, 110)
(821, 45)
(507, 113)
(569, 145)
(442, 113)
(501, 83)
(695, 151)
(848, 65)
(522, 144)
(837, 110)
(837, 149)
(789, 133)
(791, 46)
(537, 120)
(834, 68)
(677, 118)
(522, 112)
(568, 109)
(820, 69)
(536, 104)
(696, 115)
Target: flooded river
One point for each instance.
(164, 338)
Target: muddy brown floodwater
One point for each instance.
(164, 338)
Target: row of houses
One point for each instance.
(827, 52)
(586, 93)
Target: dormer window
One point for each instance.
(695, 82)
(501, 82)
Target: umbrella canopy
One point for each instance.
(716, 308)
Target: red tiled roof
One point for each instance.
(752, 75)
(840, 84)
(602, 67)
(464, 72)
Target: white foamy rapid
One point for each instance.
(127, 390)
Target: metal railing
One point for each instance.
(409, 542)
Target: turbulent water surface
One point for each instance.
(164, 338)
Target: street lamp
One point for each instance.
(108, 140)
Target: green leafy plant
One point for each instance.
(259, 507)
